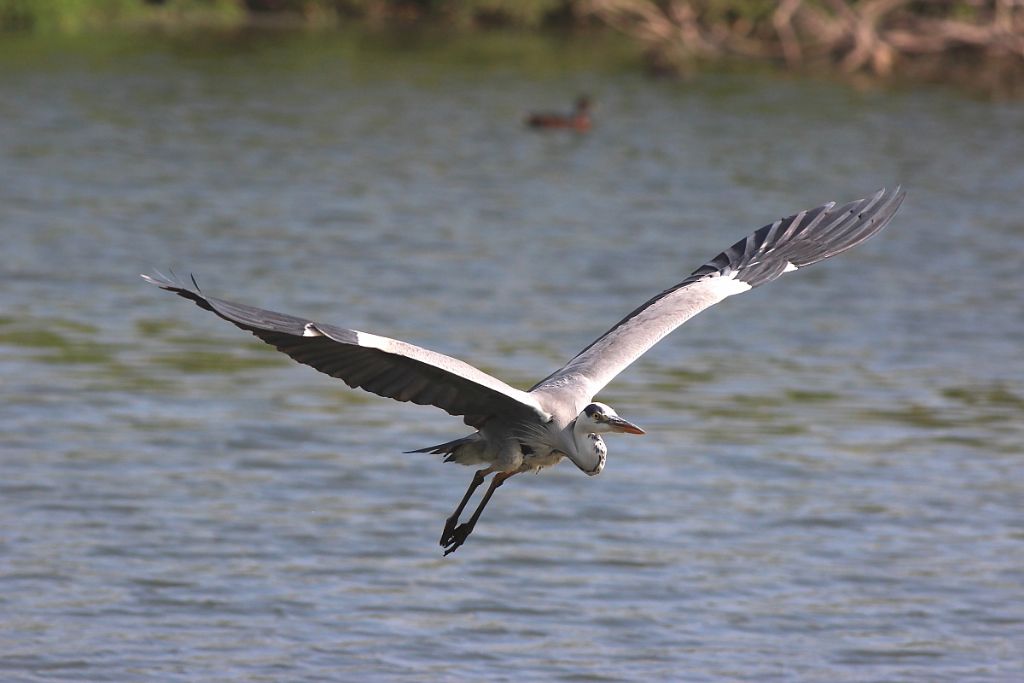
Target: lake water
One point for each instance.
(832, 483)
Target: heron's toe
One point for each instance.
(449, 530)
(457, 537)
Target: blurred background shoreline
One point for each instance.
(975, 44)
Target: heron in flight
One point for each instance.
(521, 431)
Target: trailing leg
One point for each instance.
(461, 533)
(449, 524)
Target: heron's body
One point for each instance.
(520, 431)
(528, 445)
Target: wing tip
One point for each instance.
(155, 277)
(895, 196)
(884, 204)
(171, 281)
(898, 194)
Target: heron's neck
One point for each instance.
(590, 451)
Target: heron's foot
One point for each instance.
(457, 537)
(449, 530)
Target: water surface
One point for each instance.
(831, 485)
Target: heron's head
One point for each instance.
(590, 453)
(598, 418)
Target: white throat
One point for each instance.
(591, 452)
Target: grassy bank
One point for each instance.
(978, 41)
(75, 16)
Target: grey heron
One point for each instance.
(520, 431)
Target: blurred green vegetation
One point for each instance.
(82, 15)
(970, 41)
(72, 16)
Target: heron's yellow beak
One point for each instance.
(625, 426)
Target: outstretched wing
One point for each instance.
(785, 245)
(386, 367)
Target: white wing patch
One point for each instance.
(789, 268)
(725, 285)
(310, 331)
(373, 341)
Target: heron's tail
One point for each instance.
(448, 448)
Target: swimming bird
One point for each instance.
(521, 431)
(578, 119)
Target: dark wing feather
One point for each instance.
(386, 367)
